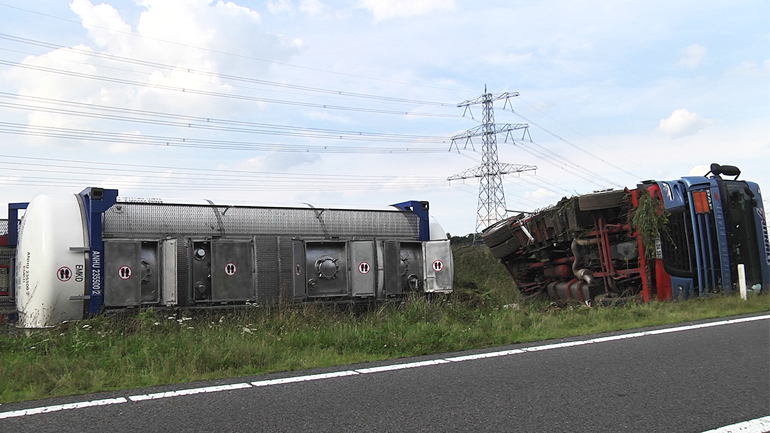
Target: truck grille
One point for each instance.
(706, 252)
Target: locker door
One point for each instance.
(392, 275)
(363, 271)
(232, 271)
(327, 269)
(438, 266)
(131, 273)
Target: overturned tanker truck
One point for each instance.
(662, 240)
(77, 255)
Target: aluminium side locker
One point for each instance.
(232, 270)
(404, 268)
(131, 273)
(392, 259)
(363, 269)
(411, 266)
(326, 264)
(438, 266)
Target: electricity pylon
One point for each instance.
(491, 207)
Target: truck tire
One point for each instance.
(602, 200)
(505, 249)
(496, 234)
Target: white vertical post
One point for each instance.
(742, 281)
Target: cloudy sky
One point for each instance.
(355, 102)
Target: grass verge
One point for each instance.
(157, 348)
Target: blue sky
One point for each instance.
(614, 93)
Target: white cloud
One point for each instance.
(279, 6)
(103, 22)
(540, 193)
(204, 24)
(311, 7)
(693, 55)
(236, 10)
(385, 9)
(748, 68)
(682, 123)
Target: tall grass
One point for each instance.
(163, 347)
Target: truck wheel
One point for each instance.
(496, 234)
(505, 249)
(602, 200)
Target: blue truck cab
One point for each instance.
(715, 224)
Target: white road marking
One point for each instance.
(762, 422)
(190, 391)
(68, 406)
(759, 425)
(485, 355)
(402, 366)
(303, 378)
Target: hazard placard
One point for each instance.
(124, 272)
(230, 269)
(364, 267)
(438, 265)
(64, 274)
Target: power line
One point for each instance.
(79, 181)
(576, 146)
(81, 172)
(219, 94)
(562, 164)
(199, 172)
(140, 139)
(219, 75)
(535, 181)
(573, 130)
(559, 157)
(206, 123)
(225, 52)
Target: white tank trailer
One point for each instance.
(82, 254)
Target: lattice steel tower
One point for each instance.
(491, 206)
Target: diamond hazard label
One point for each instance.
(438, 265)
(364, 268)
(231, 269)
(64, 274)
(124, 272)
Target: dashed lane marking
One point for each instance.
(68, 406)
(294, 379)
(191, 391)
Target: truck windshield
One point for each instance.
(741, 229)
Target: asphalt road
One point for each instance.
(688, 380)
